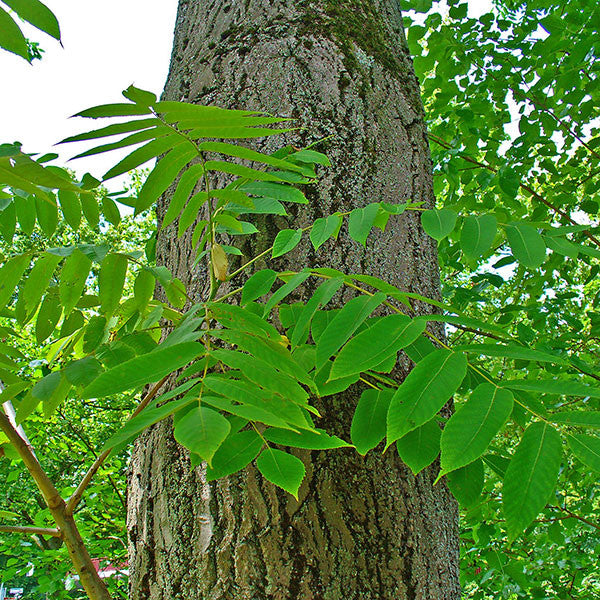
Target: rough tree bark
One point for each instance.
(363, 527)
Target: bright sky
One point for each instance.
(108, 45)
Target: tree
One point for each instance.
(341, 69)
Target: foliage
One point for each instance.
(511, 99)
(521, 355)
(36, 14)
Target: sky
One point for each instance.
(108, 45)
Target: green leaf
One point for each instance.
(311, 440)
(242, 319)
(114, 129)
(287, 288)
(247, 411)
(11, 38)
(143, 289)
(560, 387)
(466, 483)
(248, 394)
(47, 214)
(72, 279)
(187, 184)
(48, 316)
(38, 281)
(509, 181)
(222, 166)
(26, 213)
(58, 397)
(420, 447)
(472, 427)
(202, 430)
(586, 448)
(111, 281)
(323, 229)
(424, 392)
(577, 418)
(150, 415)
(478, 233)
(438, 223)
(321, 297)
(190, 212)
(258, 285)
(91, 210)
(111, 211)
(527, 244)
(237, 451)
(112, 110)
(284, 470)
(344, 324)
(144, 154)
(262, 374)
(530, 477)
(270, 351)
(143, 369)
(563, 247)
(94, 333)
(36, 13)
(70, 207)
(360, 222)
(277, 191)
(46, 386)
(8, 222)
(83, 372)
(512, 351)
(163, 175)
(368, 422)
(238, 151)
(139, 96)
(286, 240)
(229, 221)
(371, 347)
(311, 157)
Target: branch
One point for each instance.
(75, 499)
(78, 553)
(524, 186)
(31, 530)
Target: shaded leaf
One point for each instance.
(420, 447)
(423, 393)
(527, 244)
(438, 223)
(237, 451)
(466, 483)
(284, 470)
(368, 422)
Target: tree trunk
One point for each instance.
(363, 528)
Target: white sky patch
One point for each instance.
(108, 45)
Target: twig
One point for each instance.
(75, 499)
(524, 186)
(80, 557)
(31, 530)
